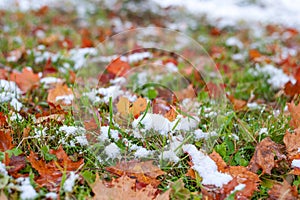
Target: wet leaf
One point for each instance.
(264, 156)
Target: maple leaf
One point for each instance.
(124, 107)
(291, 89)
(144, 172)
(15, 164)
(25, 79)
(295, 114)
(118, 67)
(51, 172)
(264, 156)
(122, 188)
(60, 94)
(283, 191)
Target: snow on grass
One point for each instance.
(104, 134)
(77, 132)
(277, 78)
(233, 41)
(70, 182)
(142, 152)
(162, 125)
(169, 156)
(136, 57)
(206, 167)
(263, 131)
(112, 151)
(10, 92)
(79, 56)
(199, 134)
(47, 81)
(51, 195)
(113, 91)
(26, 189)
(231, 12)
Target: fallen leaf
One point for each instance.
(144, 172)
(3, 121)
(50, 174)
(171, 114)
(118, 67)
(291, 89)
(295, 114)
(15, 164)
(240, 174)
(61, 94)
(264, 156)
(123, 106)
(188, 92)
(50, 40)
(3, 74)
(138, 107)
(283, 191)
(292, 143)
(5, 141)
(25, 79)
(121, 188)
(15, 55)
(238, 104)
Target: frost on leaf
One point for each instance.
(144, 172)
(264, 156)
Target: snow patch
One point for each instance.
(296, 163)
(26, 189)
(70, 182)
(206, 167)
(104, 134)
(10, 92)
(169, 156)
(3, 169)
(199, 134)
(112, 151)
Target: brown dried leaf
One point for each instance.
(25, 79)
(123, 106)
(292, 142)
(118, 67)
(264, 156)
(138, 106)
(238, 104)
(5, 141)
(145, 172)
(295, 114)
(121, 188)
(283, 191)
(188, 92)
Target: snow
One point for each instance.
(239, 187)
(15, 116)
(104, 134)
(78, 132)
(253, 105)
(79, 56)
(162, 125)
(263, 131)
(199, 134)
(206, 167)
(231, 12)
(171, 67)
(296, 163)
(112, 151)
(169, 156)
(277, 78)
(26, 189)
(3, 169)
(233, 41)
(50, 80)
(51, 195)
(66, 99)
(118, 81)
(142, 152)
(136, 57)
(70, 182)
(10, 92)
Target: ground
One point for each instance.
(149, 100)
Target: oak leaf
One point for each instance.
(25, 79)
(144, 172)
(264, 156)
(283, 191)
(122, 188)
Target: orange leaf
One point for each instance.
(238, 104)
(123, 106)
(292, 143)
(26, 79)
(5, 141)
(118, 67)
(51, 172)
(138, 106)
(60, 94)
